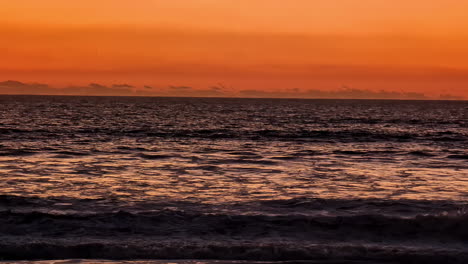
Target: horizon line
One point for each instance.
(240, 97)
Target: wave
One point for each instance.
(282, 252)
(302, 206)
(71, 153)
(273, 230)
(17, 152)
(422, 153)
(156, 156)
(458, 156)
(348, 135)
(170, 224)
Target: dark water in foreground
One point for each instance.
(233, 179)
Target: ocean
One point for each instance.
(227, 180)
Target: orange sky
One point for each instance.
(268, 45)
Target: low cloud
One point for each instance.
(16, 87)
(187, 91)
(123, 86)
(96, 89)
(180, 88)
(450, 97)
(364, 94)
(346, 93)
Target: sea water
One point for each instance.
(233, 179)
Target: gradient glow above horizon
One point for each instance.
(266, 45)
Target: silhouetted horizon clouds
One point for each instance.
(96, 89)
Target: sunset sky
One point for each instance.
(256, 45)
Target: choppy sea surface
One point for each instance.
(233, 180)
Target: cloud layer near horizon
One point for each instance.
(93, 89)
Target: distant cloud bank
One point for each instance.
(95, 89)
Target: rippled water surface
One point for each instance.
(218, 150)
(153, 160)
